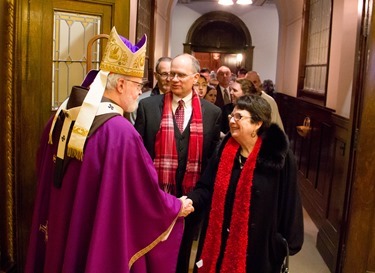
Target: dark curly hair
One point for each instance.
(259, 109)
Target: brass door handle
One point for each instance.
(304, 130)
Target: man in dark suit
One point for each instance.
(180, 131)
(223, 76)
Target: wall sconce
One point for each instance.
(239, 58)
(239, 2)
(216, 56)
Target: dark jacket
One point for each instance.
(226, 110)
(276, 210)
(219, 97)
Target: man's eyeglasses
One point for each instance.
(139, 84)
(237, 116)
(180, 76)
(163, 75)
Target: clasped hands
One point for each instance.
(186, 206)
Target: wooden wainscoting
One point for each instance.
(323, 158)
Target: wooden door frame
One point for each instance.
(359, 242)
(27, 81)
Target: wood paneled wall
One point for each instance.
(323, 158)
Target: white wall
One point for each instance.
(182, 19)
(341, 65)
(263, 27)
(342, 51)
(162, 27)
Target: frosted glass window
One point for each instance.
(71, 34)
(317, 46)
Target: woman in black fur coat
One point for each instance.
(250, 188)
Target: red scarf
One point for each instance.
(166, 158)
(234, 259)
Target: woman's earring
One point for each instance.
(253, 134)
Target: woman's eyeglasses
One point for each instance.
(237, 116)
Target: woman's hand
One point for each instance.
(186, 206)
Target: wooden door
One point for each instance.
(359, 255)
(26, 75)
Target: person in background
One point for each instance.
(269, 88)
(98, 206)
(201, 86)
(224, 76)
(162, 86)
(205, 72)
(213, 79)
(251, 188)
(161, 74)
(241, 73)
(238, 88)
(180, 132)
(211, 94)
(254, 77)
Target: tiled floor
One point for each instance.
(308, 260)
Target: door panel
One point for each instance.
(28, 30)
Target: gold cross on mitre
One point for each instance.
(44, 229)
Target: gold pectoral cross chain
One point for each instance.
(44, 229)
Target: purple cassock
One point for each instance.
(109, 215)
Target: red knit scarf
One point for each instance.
(166, 158)
(234, 259)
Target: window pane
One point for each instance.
(71, 34)
(317, 46)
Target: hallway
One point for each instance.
(308, 260)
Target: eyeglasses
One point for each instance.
(139, 84)
(237, 116)
(163, 75)
(180, 76)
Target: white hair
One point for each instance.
(112, 80)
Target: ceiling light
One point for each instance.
(225, 2)
(244, 2)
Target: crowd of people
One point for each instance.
(203, 156)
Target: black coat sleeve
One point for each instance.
(140, 122)
(202, 193)
(290, 216)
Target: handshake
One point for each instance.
(186, 206)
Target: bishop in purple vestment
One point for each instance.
(99, 207)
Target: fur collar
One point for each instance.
(274, 148)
